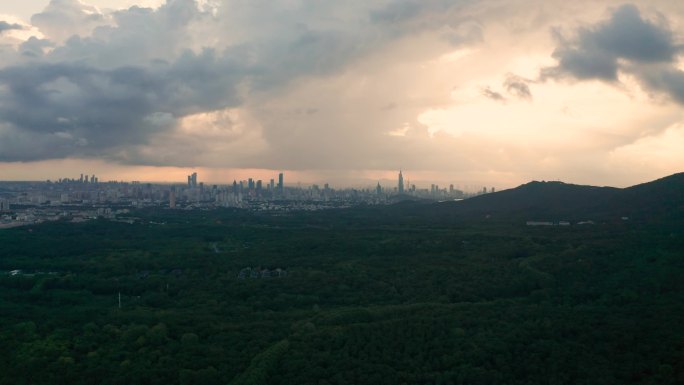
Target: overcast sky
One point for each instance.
(470, 92)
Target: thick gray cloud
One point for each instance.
(34, 47)
(62, 19)
(103, 109)
(295, 84)
(628, 43)
(667, 80)
(99, 85)
(626, 35)
(5, 26)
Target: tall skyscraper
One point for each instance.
(192, 180)
(401, 183)
(172, 199)
(280, 183)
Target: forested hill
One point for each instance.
(537, 200)
(411, 293)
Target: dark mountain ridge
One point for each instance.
(558, 200)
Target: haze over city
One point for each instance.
(481, 93)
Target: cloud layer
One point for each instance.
(356, 85)
(626, 43)
(5, 26)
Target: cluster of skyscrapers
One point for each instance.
(84, 179)
(250, 187)
(249, 193)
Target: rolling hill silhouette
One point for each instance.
(557, 201)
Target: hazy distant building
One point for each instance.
(192, 180)
(400, 187)
(280, 183)
(172, 199)
(4, 205)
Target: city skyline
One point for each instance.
(399, 185)
(482, 93)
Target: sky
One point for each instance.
(465, 92)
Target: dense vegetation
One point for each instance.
(371, 296)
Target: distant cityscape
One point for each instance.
(85, 198)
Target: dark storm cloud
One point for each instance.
(628, 43)
(100, 82)
(95, 110)
(93, 96)
(34, 47)
(5, 26)
(586, 64)
(669, 81)
(626, 35)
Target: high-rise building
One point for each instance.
(280, 183)
(192, 180)
(401, 183)
(172, 199)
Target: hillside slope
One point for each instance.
(557, 200)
